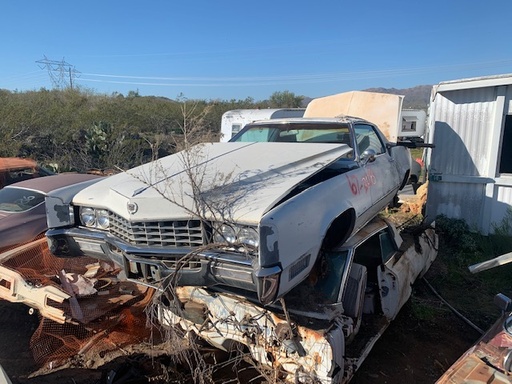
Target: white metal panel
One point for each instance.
(462, 124)
(456, 200)
(465, 124)
(475, 82)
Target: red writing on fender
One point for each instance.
(359, 185)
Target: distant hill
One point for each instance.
(416, 97)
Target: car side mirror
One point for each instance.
(503, 302)
(368, 156)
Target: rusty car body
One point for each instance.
(22, 205)
(16, 169)
(322, 330)
(489, 359)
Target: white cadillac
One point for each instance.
(249, 215)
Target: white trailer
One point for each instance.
(233, 121)
(413, 125)
(470, 171)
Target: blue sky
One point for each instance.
(227, 50)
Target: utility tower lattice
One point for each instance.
(60, 72)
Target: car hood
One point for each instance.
(216, 181)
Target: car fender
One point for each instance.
(291, 235)
(58, 202)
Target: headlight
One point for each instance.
(224, 233)
(235, 234)
(87, 216)
(102, 218)
(94, 218)
(249, 236)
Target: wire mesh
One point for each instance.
(109, 316)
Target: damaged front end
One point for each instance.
(302, 353)
(237, 230)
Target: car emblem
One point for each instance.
(132, 207)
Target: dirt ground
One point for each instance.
(410, 351)
(417, 351)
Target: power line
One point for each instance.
(60, 72)
(284, 79)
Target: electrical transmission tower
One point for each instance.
(60, 72)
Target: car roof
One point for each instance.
(312, 120)
(50, 183)
(11, 163)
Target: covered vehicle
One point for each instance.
(322, 330)
(253, 213)
(22, 205)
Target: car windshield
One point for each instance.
(323, 285)
(18, 199)
(295, 133)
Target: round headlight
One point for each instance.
(225, 233)
(102, 218)
(87, 216)
(249, 236)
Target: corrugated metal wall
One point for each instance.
(457, 200)
(461, 134)
(463, 125)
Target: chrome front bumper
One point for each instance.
(182, 266)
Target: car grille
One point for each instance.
(179, 233)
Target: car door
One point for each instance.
(381, 173)
(399, 271)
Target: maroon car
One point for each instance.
(22, 205)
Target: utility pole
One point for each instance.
(59, 71)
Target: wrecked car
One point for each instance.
(322, 330)
(253, 213)
(16, 169)
(22, 205)
(489, 359)
(257, 225)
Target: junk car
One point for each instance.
(22, 205)
(489, 359)
(253, 213)
(16, 169)
(322, 330)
